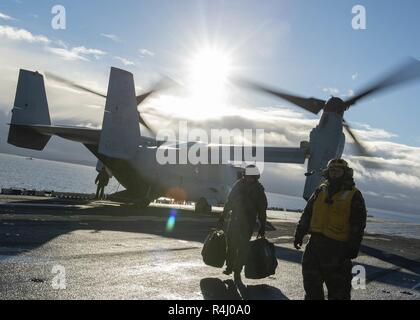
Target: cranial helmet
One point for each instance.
(339, 163)
(252, 171)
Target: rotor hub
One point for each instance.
(335, 104)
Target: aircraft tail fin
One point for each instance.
(30, 108)
(120, 134)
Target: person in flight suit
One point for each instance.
(246, 201)
(102, 181)
(335, 216)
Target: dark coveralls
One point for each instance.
(328, 260)
(246, 201)
(102, 180)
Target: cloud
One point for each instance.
(395, 156)
(145, 52)
(398, 174)
(77, 53)
(66, 104)
(6, 17)
(61, 43)
(110, 36)
(397, 196)
(332, 91)
(17, 34)
(367, 132)
(338, 93)
(350, 93)
(354, 76)
(125, 61)
(282, 126)
(63, 51)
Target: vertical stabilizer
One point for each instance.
(120, 134)
(30, 108)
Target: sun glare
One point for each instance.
(209, 72)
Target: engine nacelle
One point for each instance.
(326, 142)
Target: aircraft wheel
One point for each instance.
(202, 206)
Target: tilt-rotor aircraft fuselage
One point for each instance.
(119, 145)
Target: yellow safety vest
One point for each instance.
(332, 220)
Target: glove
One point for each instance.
(298, 241)
(261, 233)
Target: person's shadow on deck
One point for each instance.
(216, 289)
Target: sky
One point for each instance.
(306, 47)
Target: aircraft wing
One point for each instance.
(263, 154)
(285, 155)
(215, 152)
(225, 153)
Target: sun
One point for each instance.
(209, 71)
(210, 68)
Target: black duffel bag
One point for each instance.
(261, 260)
(214, 249)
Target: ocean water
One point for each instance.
(21, 172)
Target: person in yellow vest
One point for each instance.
(335, 216)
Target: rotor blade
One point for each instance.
(164, 83)
(140, 99)
(361, 150)
(369, 161)
(408, 71)
(143, 122)
(73, 84)
(310, 104)
(144, 96)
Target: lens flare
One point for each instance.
(170, 224)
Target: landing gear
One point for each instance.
(145, 201)
(202, 206)
(142, 203)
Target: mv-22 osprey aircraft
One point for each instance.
(131, 157)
